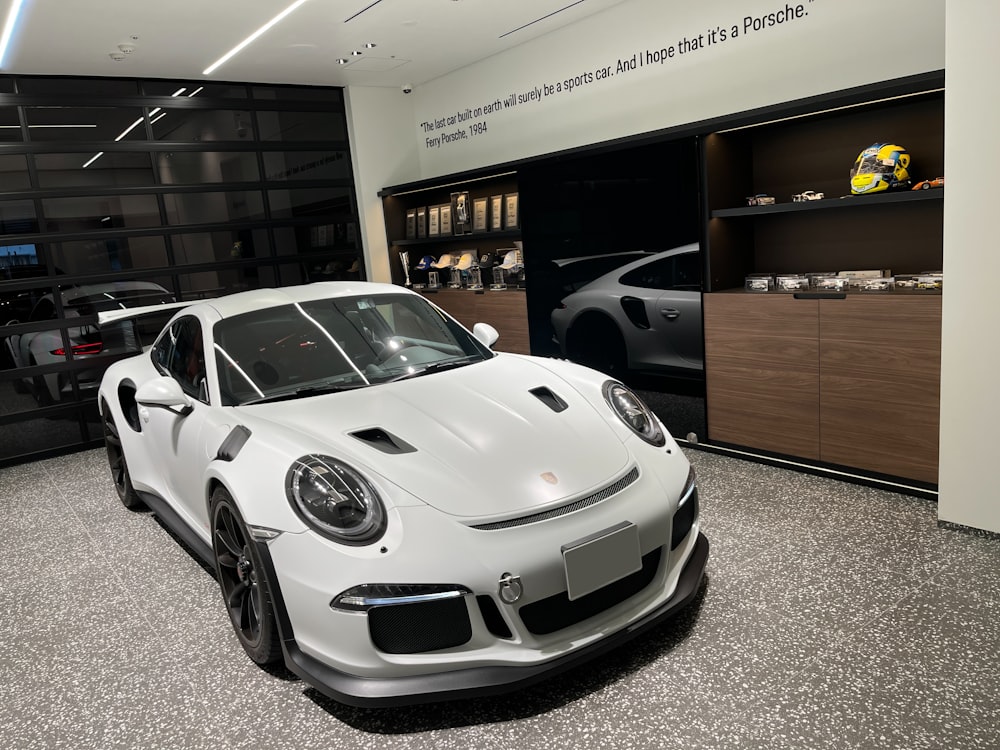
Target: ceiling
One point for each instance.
(415, 40)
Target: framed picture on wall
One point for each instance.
(411, 224)
(421, 222)
(496, 213)
(433, 221)
(480, 207)
(446, 227)
(510, 216)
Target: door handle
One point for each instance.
(670, 313)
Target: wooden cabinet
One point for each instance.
(504, 310)
(849, 382)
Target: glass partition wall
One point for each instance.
(123, 191)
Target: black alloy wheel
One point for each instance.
(243, 582)
(597, 343)
(119, 467)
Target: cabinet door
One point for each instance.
(880, 362)
(762, 372)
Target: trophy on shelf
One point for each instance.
(404, 258)
(455, 282)
(475, 279)
(432, 281)
(498, 279)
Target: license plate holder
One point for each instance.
(601, 558)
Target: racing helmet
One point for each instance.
(881, 166)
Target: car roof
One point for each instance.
(257, 299)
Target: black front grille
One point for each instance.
(684, 519)
(418, 627)
(557, 612)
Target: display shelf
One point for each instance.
(847, 201)
(503, 234)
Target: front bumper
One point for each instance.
(470, 682)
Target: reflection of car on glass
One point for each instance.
(937, 182)
(393, 509)
(645, 315)
(85, 341)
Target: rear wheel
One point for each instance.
(116, 461)
(597, 343)
(244, 585)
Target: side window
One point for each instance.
(655, 275)
(180, 353)
(44, 310)
(687, 272)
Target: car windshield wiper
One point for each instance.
(446, 364)
(306, 391)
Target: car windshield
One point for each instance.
(342, 343)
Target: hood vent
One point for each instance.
(550, 399)
(378, 438)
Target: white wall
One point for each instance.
(970, 356)
(834, 44)
(379, 122)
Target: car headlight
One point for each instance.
(335, 500)
(634, 413)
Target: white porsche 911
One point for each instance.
(395, 510)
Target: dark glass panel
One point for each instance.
(10, 125)
(17, 217)
(309, 202)
(221, 246)
(341, 235)
(292, 274)
(110, 254)
(20, 262)
(14, 172)
(16, 305)
(122, 169)
(201, 125)
(100, 212)
(301, 126)
(298, 93)
(194, 88)
(85, 124)
(332, 268)
(35, 435)
(306, 165)
(213, 208)
(6, 85)
(190, 167)
(78, 86)
(210, 284)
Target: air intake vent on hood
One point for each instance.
(550, 399)
(379, 438)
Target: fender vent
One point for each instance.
(550, 399)
(378, 438)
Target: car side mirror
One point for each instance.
(164, 393)
(486, 334)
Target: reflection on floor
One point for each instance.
(833, 616)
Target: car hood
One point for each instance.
(480, 441)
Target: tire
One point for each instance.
(925, 186)
(119, 467)
(598, 344)
(39, 388)
(245, 588)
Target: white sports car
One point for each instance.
(399, 513)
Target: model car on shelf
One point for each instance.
(807, 195)
(645, 315)
(761, 199)
(937, 182)
(394, 510)
(46, 347)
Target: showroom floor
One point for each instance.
(833, 616)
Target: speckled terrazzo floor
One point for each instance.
(833, 616)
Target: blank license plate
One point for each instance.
(601, 558)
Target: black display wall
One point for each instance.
(117, 191)
(602, 207)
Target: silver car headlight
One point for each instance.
(634, 413)
(335, 500)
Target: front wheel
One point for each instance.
(598, 344)
(244, 585)
(116, 461)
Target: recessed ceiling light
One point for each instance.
(370, 45)
(343, 60)
(355, 53)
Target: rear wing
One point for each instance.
(130, 313)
